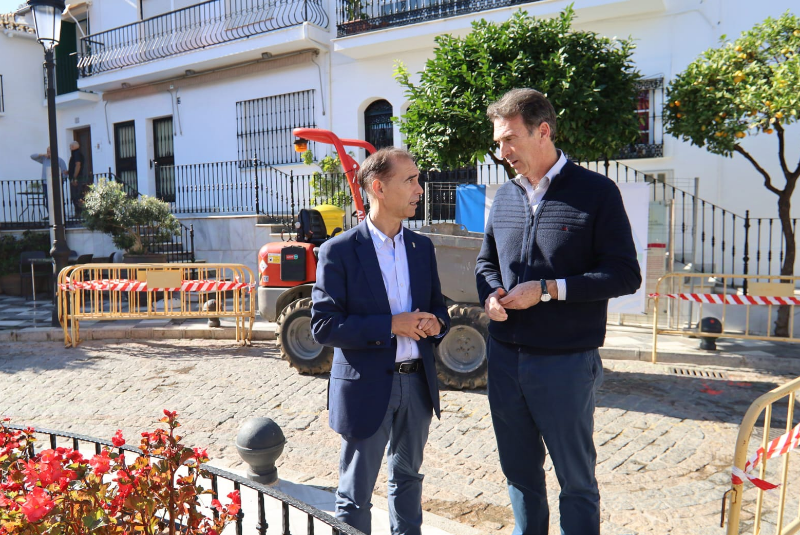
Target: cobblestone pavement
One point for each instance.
(665, 442)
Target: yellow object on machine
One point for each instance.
(332, 215)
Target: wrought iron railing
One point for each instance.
(24, 205)
(255, 497)
(704, 237)
(358, 16)
(193, 28)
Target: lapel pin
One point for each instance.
(413, 245)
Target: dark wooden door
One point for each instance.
(125, 156)
(84, 137)
(164, 156)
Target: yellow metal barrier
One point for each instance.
(155, 291)
(764, 404)
(695, 291)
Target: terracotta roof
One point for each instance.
(7, 22)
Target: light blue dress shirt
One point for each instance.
(394, 271)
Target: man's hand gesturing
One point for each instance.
(408, 324)
(494, 309)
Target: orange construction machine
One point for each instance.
(287, 271)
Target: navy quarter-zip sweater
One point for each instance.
(580, 233)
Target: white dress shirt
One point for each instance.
(394, 271)
(535, 196)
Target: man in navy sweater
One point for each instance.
(557, 247)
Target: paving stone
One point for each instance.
(664, 446)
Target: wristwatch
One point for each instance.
(545, 294)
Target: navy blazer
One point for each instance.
(351, 313)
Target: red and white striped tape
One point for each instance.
(124, 285)
(776, 447)
(732, 299)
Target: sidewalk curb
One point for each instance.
(712, 358)
(55, 334)
(266, 332)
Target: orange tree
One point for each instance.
(590, 79)
(745, 88)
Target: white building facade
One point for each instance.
(180, 83)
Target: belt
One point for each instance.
(408, 366)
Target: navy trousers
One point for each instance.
(546, 399)
(405, 428)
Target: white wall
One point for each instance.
(204, 121)
(23, 126)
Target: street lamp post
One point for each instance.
(47, 20)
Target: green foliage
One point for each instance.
(354, 10)
(590, 80)
(330, 186)
(742, 88)
(11, 248)
(108, 209)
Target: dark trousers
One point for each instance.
(76, 193)
(546, 399)
(405, 428)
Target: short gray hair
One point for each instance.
(531, 105)
(379, 165)
(74, 145)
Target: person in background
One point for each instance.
(76, 173)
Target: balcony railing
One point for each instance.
(193, 28)
(358, 16)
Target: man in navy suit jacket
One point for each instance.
(378, 302)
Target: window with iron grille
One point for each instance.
(378, 124)
(264, 126)
(648, 103)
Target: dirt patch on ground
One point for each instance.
(479, 515)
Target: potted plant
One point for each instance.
(60, 491)
(355, 17)
(136, 225)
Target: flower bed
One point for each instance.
(60, 491)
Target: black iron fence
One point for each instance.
(703, 237)
(358, 16)
(193, 28)
(24, 205)
(255, 514)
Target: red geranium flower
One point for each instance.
(117, 439)
(37, 505)
(101, 463)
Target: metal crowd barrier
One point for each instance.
(744, 305)
(155, 291)
(771, 516)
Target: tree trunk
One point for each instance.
(784, 212)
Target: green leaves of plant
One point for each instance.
(743, 88)
(590, 80)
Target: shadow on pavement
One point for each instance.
(692, 398)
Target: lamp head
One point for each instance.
(47, 20)
(300, 145)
